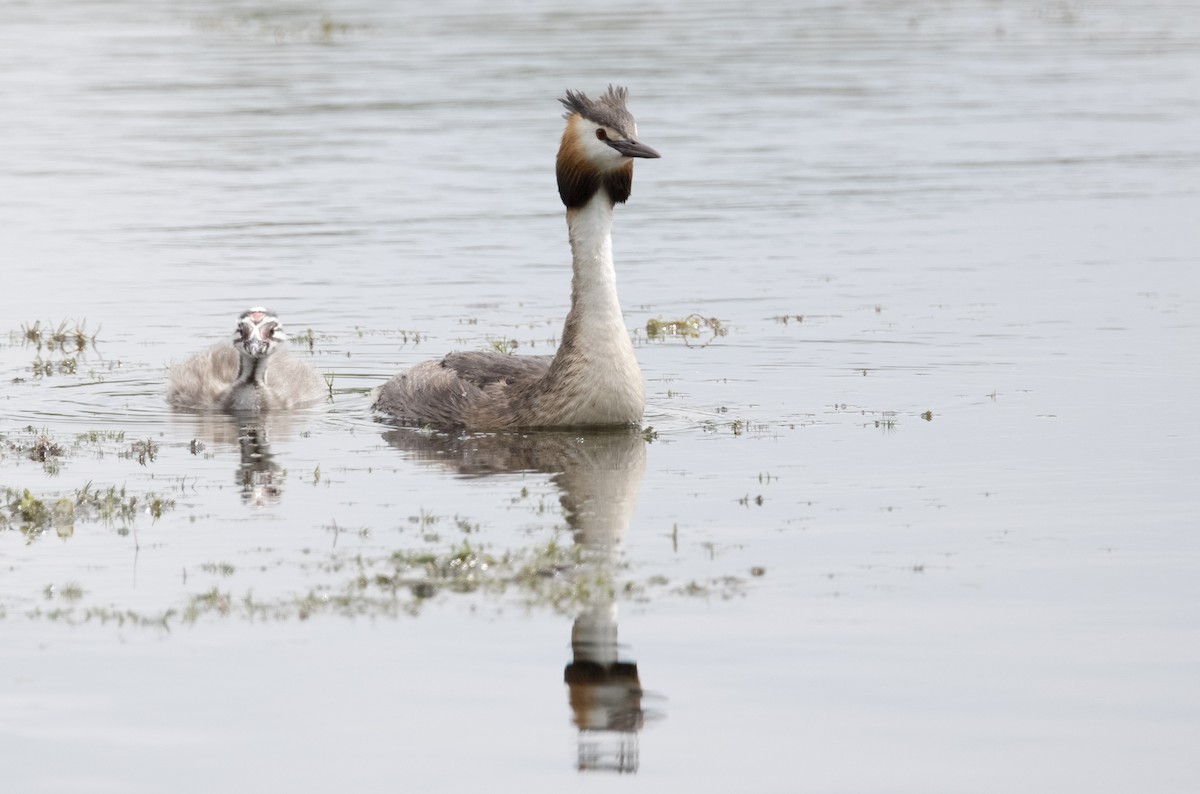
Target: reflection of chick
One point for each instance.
(258, 476)
(233, 378)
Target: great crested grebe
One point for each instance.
(593, 379)
(233, 377)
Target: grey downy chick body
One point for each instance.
(593, 379)
(252, 375)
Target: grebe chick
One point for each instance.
(233, 378)
(593, 379)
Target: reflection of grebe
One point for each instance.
(598, 474)
(593, 379)
(259, 477)
(605, 693)
(233, 377)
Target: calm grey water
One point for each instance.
(921, 518)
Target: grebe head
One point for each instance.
(604, 129)
(598, 147)
(258, 333)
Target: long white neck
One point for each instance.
(594, 371)
(595, 320)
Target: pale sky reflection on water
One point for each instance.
(920, 519)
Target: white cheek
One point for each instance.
(600, 152)
(603, 154)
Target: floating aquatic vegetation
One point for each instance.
(503, 346)
(59, 347)
(283, 28)
(35, 515)
(45, 449)
(142, 451)
(405, 337)
(67, 337)
(564, 577)
(38, 445)
(691, 327)
(738, 427)
(221, 568)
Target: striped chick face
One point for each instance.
(259, 333)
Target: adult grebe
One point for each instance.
(593, 379)
(233, 377)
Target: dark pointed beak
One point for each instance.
(634, 149)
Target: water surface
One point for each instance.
(915, 512)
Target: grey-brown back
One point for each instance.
(441, 393)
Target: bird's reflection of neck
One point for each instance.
(257, 474)
(604, 691)
(599, 475)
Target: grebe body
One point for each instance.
(252, 375)
(593, 379)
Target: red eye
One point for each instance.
(601, 134)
